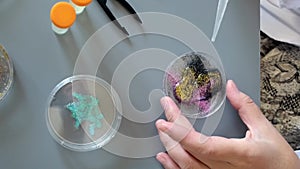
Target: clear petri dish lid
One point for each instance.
(82, 113)
(197, 84)
(6, 73)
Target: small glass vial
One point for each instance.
(80, 5)
(63, 16)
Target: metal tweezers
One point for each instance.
(126, 5)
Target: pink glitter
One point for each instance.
(204, 105)
(173, 79)
(200, 98)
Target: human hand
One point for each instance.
(261, 148)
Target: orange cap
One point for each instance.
(82, 2)
(63, 14)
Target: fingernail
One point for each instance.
(164, 103)
(162, 125)
(160, 157)
(233, 86)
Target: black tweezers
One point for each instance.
(126, 5)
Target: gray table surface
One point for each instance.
(42, 60)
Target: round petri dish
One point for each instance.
(196, 82)
(82, 113)
(6, 73)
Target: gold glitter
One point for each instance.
(203, 79)
(184, 89)
(216, 81)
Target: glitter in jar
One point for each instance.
(86, 109)
(194, 83)
(6, 73)
(185, 87)
(81, 113)
(197, 84)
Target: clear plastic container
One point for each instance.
(6, 73)
(79, 5)
(83, 136)
(62, 16)
(59, 30)
(196, 82)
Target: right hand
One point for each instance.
(262, 147)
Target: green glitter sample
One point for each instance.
(86, 109)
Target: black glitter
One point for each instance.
(196, 64)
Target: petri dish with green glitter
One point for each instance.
(6, 73)
(196, 82)
(82, 113)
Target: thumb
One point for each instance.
(248, 110)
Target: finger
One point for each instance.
(173, 113)
(248, 110)
(168, 143)
(166, 161)
(171, 110)
(179, 156)
(178, 131)
(200, 146)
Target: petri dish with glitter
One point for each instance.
(82, 113)
(196, 82)
(6, 73)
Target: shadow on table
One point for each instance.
(94, 160)
(9, 112)
(69, 46)
(85, 25)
